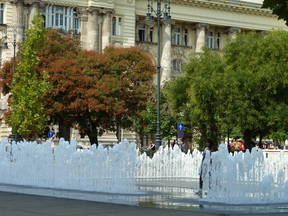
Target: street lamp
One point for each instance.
(161, 13)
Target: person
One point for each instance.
(51, 134)
(152, 146)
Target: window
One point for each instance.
(1, 13)
(76, 21)
(177, 64)
(114, 21)
(210, 40)
(151, 33)
(60, 17)
(217, 40)
(213, 40)
(185, 37)
(119, 26)
(176, 36)
(141, 32)
(116, 26)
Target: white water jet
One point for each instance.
(244, 178)
(63, 167)
(170, 163)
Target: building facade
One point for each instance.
(99, 23)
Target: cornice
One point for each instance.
(228, 5)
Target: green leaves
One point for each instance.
(245, 88)
(279, 7)
(28, 116)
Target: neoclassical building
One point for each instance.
(98, 23)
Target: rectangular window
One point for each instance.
(141, 32)
(210, 40)
(217, 40)
(119, 26)
(76, 21)
(177, 36)
(114, 21)
(1, 13)
(61, 17)
(186, 37)
(151, 33)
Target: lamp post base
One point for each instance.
(158, 141)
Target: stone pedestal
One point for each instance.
(166, 58)
(200, 37)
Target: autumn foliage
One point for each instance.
(91, 90)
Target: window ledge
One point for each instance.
(146, 42)
(182, 46)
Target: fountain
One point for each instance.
(244, 178)
(63, 167)
(170, 178)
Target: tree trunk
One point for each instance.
(248, 136)
(64, 130)
(228, 136)
(213, 140)
(260, 140)
(92, 133)
(118, 132)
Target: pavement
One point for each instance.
(14, 204)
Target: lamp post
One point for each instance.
(160, 13)
(14, 52)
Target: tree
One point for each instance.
(90, 90)
(196, 96)
(27, 115)
(278, 7)
(244, 89)
(135, 71)
(256, 69)
(145, 124)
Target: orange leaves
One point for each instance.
(90, 85)
(6, 77)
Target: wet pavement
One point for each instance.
(159, 197)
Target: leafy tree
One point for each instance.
(6, 76)
(134, 69)
(28, 117)
(145, 124)
(278, 7)
(198, 95)
(98, 91)
(90, 90)
(257, 73)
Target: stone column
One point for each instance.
(84, 20)
(232, 32)
(100, 26)
(18, 26)
(200, 37)
(106, 29)
(34, 10)
(93, 30)
(166, 58)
